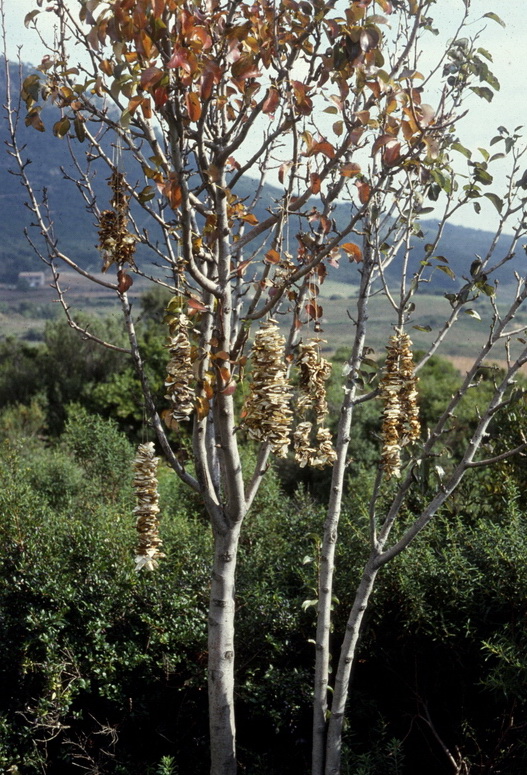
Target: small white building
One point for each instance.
(33, 279)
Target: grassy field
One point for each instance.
(23, 313)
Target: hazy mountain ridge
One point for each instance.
(77, 230)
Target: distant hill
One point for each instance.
(78, 233)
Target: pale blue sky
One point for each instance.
(508, 47)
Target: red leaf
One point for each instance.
(364, 191)
(272, 101)
(150, 76)
(323, 147)
(380, 142)
(124, 281)
(196, 304)
(314, 310)
(229, 390)
(315, 182)
(160, 96)
(184, 59)
(392, 153)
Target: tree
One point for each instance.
(189, 106)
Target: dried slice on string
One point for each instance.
(400, 424)
(180, 376)
(304, 452)
(267, 412)
(147, 509)
(115, 241)
(314, 373)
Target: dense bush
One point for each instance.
(105, 668)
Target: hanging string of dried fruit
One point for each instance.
(147, 509)
(267, 413)
(401, 414)
(180, 374)
(315, 371)
(116, 243)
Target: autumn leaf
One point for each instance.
(249, 218)
(193, 106)
(124, 281)
(350, 169)
(271, 101)
(314, 310)
(315, 182)
(134, 104)
(364, 191)
(196, 305)
(392, 153)
(202, 407)
(272, 256)
(150, 76)
(353, 251)
(33, 119)
(61, 128)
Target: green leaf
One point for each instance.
(483, 91)
(496, 201)
(447, 270)
(482, 176)
(494, 17)
(485, 53)
(80, 131)
(472, 313)
(477, 207)
(146, 194)
(308, 604)
(427, 329)
(496, 139)
(61, 127)
(484, 153)
(461, 149)
(487, 289)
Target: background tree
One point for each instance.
(180, 103)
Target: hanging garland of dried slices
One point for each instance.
(314, 373)
(147, 509)
(267, 413)
(180, 374)
(115, 241)
(401, 414)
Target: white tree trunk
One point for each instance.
(221, 654)
(347, 656)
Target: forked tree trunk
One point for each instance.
(221, 654)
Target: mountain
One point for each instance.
(50, 163)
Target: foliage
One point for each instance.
(107, 660)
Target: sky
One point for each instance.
(508, 47)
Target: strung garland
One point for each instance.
(180, 374)
(267, 414)
(398, 391)
(147, 509)
(115, 241)
(314, 373)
